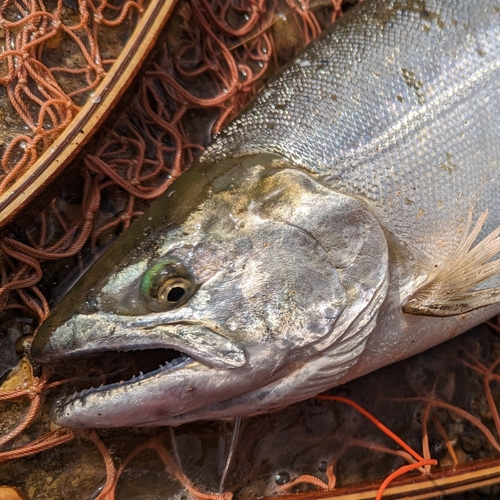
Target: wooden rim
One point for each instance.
(476, 474)
(53, 161)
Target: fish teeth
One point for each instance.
(80, 397)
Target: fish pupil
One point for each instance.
(175, 294)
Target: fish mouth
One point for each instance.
(137, 372)
(104, 372)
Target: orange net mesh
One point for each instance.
(228, 48)
(53, 55)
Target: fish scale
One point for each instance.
(398, 107)
(346, 220)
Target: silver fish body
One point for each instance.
(327, 232)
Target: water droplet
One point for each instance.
(92, 304)
(97, 493)
(282, 478)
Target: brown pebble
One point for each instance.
(9, 493)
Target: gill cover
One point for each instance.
(341, 226)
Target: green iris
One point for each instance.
(166, 285)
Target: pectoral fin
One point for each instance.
(452, 305)
(451, 290)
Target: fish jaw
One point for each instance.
(110, 332)
(208, 364)
(149, 400)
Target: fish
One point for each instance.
(347, 219)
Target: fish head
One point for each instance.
(259, 279)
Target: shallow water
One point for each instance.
(272, 450)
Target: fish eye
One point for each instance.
(166, 285)
(173, 290)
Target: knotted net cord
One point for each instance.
(52, 56)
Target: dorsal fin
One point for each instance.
(450, 290)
